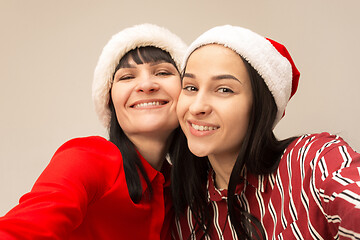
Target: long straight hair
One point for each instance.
(260, 153)
(131, 161)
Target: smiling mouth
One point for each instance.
(149, 104)
(203, 128)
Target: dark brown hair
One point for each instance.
(260, 153)
(131, 161)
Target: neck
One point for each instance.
(222, 166)
(152, 148)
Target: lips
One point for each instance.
(203, 127)
(148, 103)
(200, 129)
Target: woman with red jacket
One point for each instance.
(94, 188)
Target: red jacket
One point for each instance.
(82, 194)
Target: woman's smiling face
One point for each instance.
(145, 97)
(215, 102)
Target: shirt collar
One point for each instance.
(166, 170)
(259, 182)
(163, 174)
(214, 193)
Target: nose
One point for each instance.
(147, 84)
(200, 106)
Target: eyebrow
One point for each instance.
(216, 77)
(189, 75)
(225, 76)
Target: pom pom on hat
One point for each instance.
(126, 40)
(269, 58)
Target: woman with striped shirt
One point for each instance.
(241, 182)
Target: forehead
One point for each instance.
(146, 55)
(215, 59)
(214, 54)
(214, 49)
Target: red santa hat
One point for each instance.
(126, 40)
(269, 58)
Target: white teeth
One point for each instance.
(203, 128)
(147, 104)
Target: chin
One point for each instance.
(199, 151)
(160, 126)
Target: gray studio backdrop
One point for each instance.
(49, 50)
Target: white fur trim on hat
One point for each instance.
(260, 53)
(128, 39)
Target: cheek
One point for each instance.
(182, 106)
(174, 88)
(119, 95)
(237, 116)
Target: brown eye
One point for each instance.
(225, 90)
(126, 77)
(190, 88)
(164, 73)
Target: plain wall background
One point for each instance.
(49, 49)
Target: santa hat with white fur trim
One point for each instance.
(126, 40)
(270, 59)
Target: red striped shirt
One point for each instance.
(314, 194)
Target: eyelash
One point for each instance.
(126, 77)
(160, 73)
(190, 88)
(227, 90)
(220, 90)
(163, 73)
